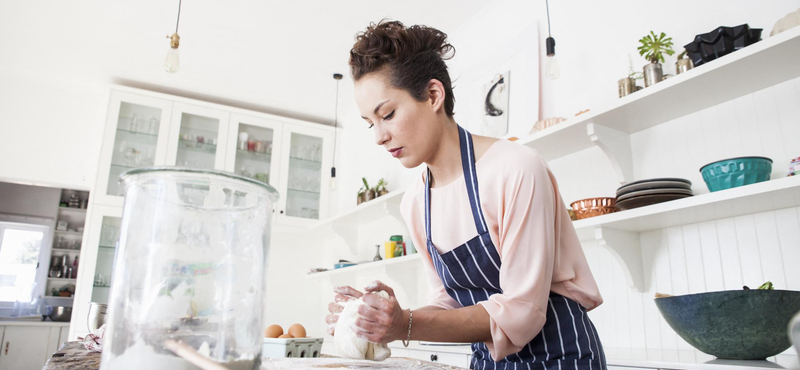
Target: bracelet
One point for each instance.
(410, 320)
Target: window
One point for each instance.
(21, 246)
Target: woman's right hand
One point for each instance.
(343, 294)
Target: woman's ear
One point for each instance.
(436, 94)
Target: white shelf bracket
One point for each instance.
(624, 246)
(616, 145)
(393, 209)
(349, 233)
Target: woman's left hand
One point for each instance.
(381, 320)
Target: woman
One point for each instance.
(505, 268)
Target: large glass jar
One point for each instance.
(191, 268)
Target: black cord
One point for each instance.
(179, 16)
(335, 122)
(547, 3)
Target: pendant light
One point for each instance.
(332, 184)
(173, 63)
(552, 69)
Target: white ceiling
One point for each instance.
(271, 56)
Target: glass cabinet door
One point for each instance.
(199, 137)
(305, 175)
(109, 237)
(257, 141)
(136, 133)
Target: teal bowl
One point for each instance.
(735, 172)
(734, 324)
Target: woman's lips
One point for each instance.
(396, 152)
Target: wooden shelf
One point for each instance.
(410, 259)
(619, 231)
(758, 66)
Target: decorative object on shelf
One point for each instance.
(790, 20)
(627, 85)
(172, 64)
(591, 207)
(62, 225)
(380, 188)
(683, 64)
(400, 246)
(794, 167)
(74, 201)
(243, 136)
(366, 193)
(653, 47)
(552, 68)
(652, 191)
(546, 123)
(733, 324)
(388, 249)
(377, 253)
(343, 264)
(332, 182)
(582, 112)
(735, 172)
(720, 42)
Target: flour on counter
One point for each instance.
(142, 356)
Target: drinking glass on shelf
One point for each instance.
(153, 130)
(133, 126)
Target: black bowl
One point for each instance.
(734, 324)
(721, 41)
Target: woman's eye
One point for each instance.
(370, 126)
(388, 116)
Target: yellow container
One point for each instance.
(388, 248)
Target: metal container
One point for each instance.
(683, 65)
(190, 267)
(626, 86)
(59, 313)
(97, 316)
(652, 74)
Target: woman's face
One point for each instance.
(404, 126)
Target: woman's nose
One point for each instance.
(381, 136)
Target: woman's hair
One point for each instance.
(410, 57)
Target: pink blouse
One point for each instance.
(531, 229)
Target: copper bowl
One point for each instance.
(591, 207)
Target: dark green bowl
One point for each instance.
(735, 172)
(733, 324)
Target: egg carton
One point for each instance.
(292, 347)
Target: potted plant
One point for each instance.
(369, 193)
(653, 49)
(380, 189)
(360, 197)
(683, 64)
(627, 85)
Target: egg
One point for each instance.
(273, 331)
(297, 331)
(285, 336)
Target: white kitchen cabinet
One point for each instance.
(198, 137)
(25, 347)
(306, 158)
(136, 135)
(95, 271)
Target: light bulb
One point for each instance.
(173, 63)
(552, 68)
(332, 183)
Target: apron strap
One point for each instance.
(471, 179)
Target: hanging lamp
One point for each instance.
(552, 68)
(332, 184)
(173, 63)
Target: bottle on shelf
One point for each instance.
(74, 268)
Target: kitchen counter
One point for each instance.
(74, 356)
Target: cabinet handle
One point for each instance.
(434, 358)
(7, 347)
(281, 212)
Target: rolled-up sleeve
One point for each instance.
(526, 245)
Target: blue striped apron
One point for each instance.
(471, 273)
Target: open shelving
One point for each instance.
(370, 266)
(758, 66)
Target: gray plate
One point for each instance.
(655, 184)
(652, 192)
(647, 200)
